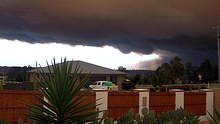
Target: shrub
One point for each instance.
(3, 121)
(179, 116)
(128, 85)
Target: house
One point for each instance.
(97, 73)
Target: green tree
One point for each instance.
(146, 79)
(21, 74)
(136, 79)
(195, 74)
(206, 71)
(157, 80)
(171, 72)
(177, 69)
(59, 87)
(122, 69)
(164, 70)
(189, 71)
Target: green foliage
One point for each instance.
(127, 86)
(157, 80)
(178, 116)
(136, 79)
(16, 73)
(3, 121)
(127, 118)
(122, 69)
(164, 70)
(20, 121)
(163, 119)
(148, 117)
(108, 121)
(190, 119)
(172, 71)
(177, 68)
(206, 71)
(60, 87)
(189, 72)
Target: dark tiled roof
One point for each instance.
(87, 68)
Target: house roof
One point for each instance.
(86, 68)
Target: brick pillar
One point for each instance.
(179, 99)
(102, 99)
(209, 104)
(144, 96)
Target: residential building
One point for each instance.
(98, 73)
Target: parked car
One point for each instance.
(105, 85)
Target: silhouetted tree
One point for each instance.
(206, 71)
(136, 79)
(157, 80)
(146, 79)
(16, 73)
(21, 75)
(177, 68)
(189, 71)
(164, 70)
(122, 69)
(172, 71)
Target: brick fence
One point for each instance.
(117, 103)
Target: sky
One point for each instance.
(136, 34)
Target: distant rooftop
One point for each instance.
(87, 68)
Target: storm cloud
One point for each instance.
(170, 28)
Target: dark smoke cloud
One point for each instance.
(181, 28)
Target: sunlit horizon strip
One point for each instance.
(18, 53)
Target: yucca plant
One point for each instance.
(64, 103)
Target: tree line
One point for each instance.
(176, 72)
(15, 73)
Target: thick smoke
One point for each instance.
(140, 26)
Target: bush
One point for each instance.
(179, 116)
(128, 86)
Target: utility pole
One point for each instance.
(217, 29)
